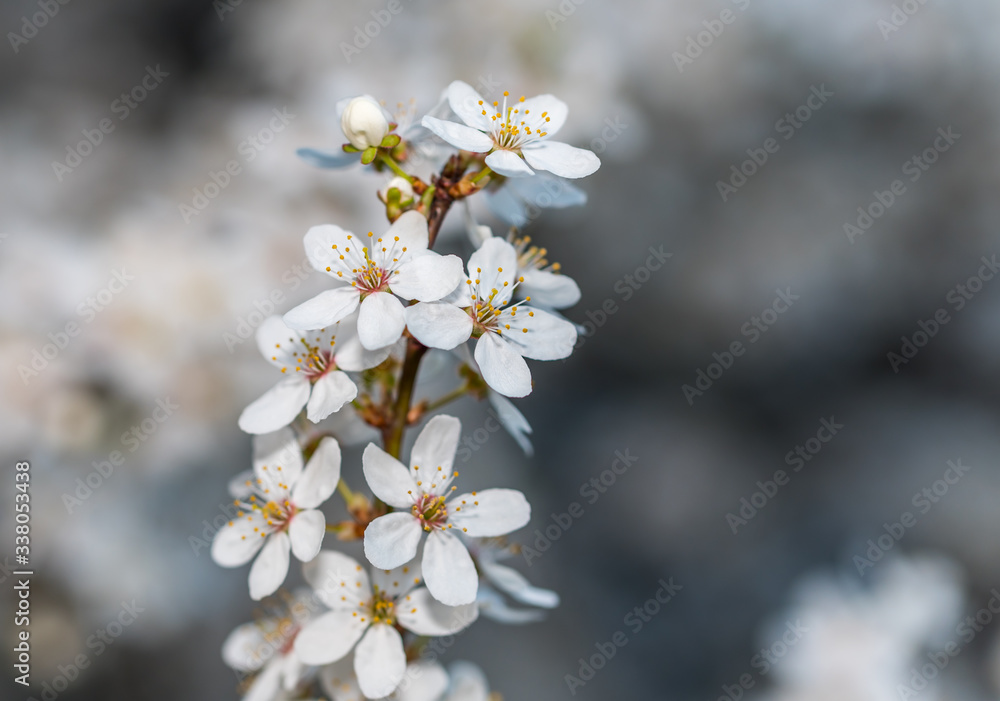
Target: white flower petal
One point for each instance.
(271, 566)
(338, 580)
(448, 569)
(547, 191)
(330, 637)
(291, 671)
(275, 342)
(237, 542)
(267, 684)
(508, 163)
(325, 309)
(520, 200)
(354, 357)
(549, 289)
(427, 278)
(328, 159)
(306, 532)
(324, 245)
(468, 683)
(513, 420)
(435, 447)
(489, 513)
(380, 661)
(468, 105)
(459, 135)
(514, 583)
(493, 606)
(339, 681)
(561, 159)
(507, 205)
(277, 407)
(319, 479)
(277, 462)
(411, 228)
(548, 337)
(424, 681)
(381, 320)
(397, 581)
(503, 367)
(241, 486)
(422, 614)
(438, 324)
(388, 478)
(392, 540)
(329, 393)
(554, 108)
(493, 264)
(245, 648)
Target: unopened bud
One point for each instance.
(405, 190)
(364, 123)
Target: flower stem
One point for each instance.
(391, 162)
(450, 397)
(481, 174)
(393, 434)
(345, 492)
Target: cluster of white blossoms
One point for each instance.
(350, 358)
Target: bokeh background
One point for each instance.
(667, 133)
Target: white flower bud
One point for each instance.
(364, 123)
(403, 185)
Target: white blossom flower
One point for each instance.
(340, 158)
(280, 500)
(315, 363)
(423, 680)
(363, 617)
(423, 495)
(265, 648)
(515, 137)
(506, 331)
(374, 273)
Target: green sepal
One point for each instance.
(369, 155)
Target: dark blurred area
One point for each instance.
(787, 263)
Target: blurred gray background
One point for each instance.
(670, 119)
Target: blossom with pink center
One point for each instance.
(366, 615)
(423, 495)
(374, 273)
(506, 331)
(314, 363)
(515, 134)
(265, 648)
(280, 501)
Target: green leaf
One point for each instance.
(369, 155)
